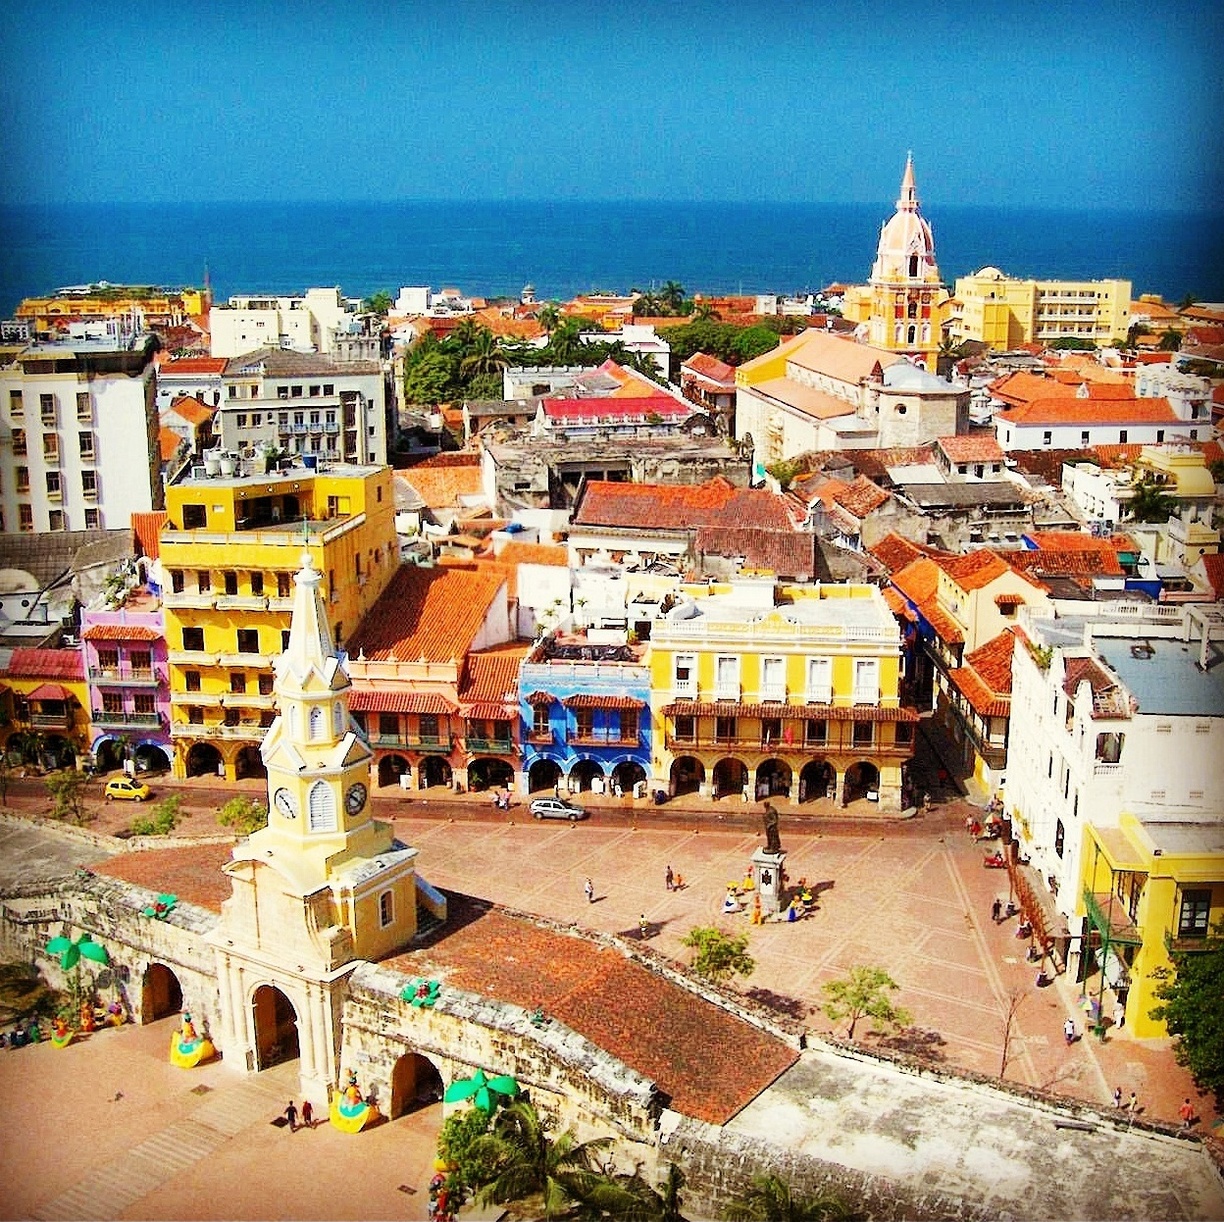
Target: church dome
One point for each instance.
(907, 247)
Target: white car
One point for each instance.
(557, 808)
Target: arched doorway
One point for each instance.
(160, 994)
(434, 771)
(249, 763)
(415, 1084)
(108, 754)
(276, 1030)
(730, 777)
(391, 768)
(861, 778)
(626, 775)
(203, 759)
(817, 780)
(687, 775)
(152, 758)
(773, 780)
(586, 775)
(487, 773)
(57, 752)
(543, 774)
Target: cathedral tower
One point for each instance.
(323, 885)
(905, 289)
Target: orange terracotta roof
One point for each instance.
(1213, 569)
(49, 691)
(192, 410)
(993, 661)
(1115, 455)
(121, 632)
(783, 551)
(1072, 410)
(491, 676)
(441, 486)
(895, 551)
(919, 581)
(534, 553)
(168, 442)
(710, 367)
(710, 1063)
(971, 448)
(395, 700)
(591, 700)
(1023, 387)
(433, 614)
(194, 365)
(666, 506)
(984, 702)
(861, 497)
(975, 570)
(31, 663)
(147, 529)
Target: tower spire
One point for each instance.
(908, 202)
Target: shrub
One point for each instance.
(164, 819)
(244, 815)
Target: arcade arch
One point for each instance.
(415, 1083)
(543, 774)
(161, 995)
(276, 1028)
(861, 778)
(687, 775)
(729, 778)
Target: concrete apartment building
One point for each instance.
(78, 436)
(313, 322)
(1005, 312)
(303, 403)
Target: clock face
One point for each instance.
(283, 800)
(355, 798)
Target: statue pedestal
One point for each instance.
(767, 878)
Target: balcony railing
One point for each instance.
(102, 718)
(109, 676)
(1181, 945)
(195, 600)
(489, 746)
(575, 739)
(241, 602)
(215, 729)
(541, 738)
(50, 721)
(440, 743)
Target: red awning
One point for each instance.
(366, 700)
(49, 691)
(121, 632)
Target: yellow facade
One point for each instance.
(228, 554)
(1004, 313)
(1149, 888)
(121, 301)
(791, 692)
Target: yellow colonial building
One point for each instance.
(1150, 886)
(228, 552)
(138, 304)
(761, 690)
(903, 305)
(1004, 312)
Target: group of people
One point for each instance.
(307, 1115)
(21, 1035)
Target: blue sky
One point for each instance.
(1086, 105)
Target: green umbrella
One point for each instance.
(505, 1085)
(162, 907)
(465, 1088)
(70, 952)
(420, 992)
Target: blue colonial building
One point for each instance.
(586, 716)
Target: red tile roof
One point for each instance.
(193, 873)
(147, 529)
(710, 1062)
(433, 614)
(710, 368)
(785, 552)
(975, 570)
(393, 700)
(192, 410)
(666, 506)
(491, 676)
(1213, 569)
(194, 365)
(534, 553)
(30, 663)
(121, 632)
(168, 442)
(590, 700)
(1071, 410)
(919, 581)
(895, 551)
(615, 408)
(993, 662)
(49, 691)
(972, 447)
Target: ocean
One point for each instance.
(562, 249)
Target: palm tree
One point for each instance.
(648, 306)
(565, 341)
(703, 311)
(548, 316)
(530, 1163)
(629, 1198)
(1151, 503)
(672, 296)
(770, 1199)
(484, 355)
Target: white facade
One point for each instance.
(78, 438)
(194, 384)
(305, 324)
(1079, 434)
(1110, 713)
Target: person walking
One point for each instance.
(1069, 1032)
(996, 910)
(669, 878)
(1117, 1096)
(291, 1115)
(589, 888)
(307, 1114)
(1186, 1112)
(643, 926)
(1132, 1106)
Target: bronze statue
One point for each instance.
(773, 842)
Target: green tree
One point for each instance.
(548, 316)
(1150, 502)
(1171, 340)
(864, 994)
(717, 955)
(1187, 301)
(565, 343)
(770, 1199)
(163, 818)
(67, 790)
(753, 342)
(703, 311)
(485, 386)
(469, 1169)
(24, 994)
(529, 1164)
(378, 303)
(633, 1199)
(430, 377)
(483, 356)
(785, 470)
(244, 815)
(1071, 343)
(1191, 1005)
(672, 297)
(648, 306)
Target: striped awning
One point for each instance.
(371, 700)
(589, 700)
(789, 712)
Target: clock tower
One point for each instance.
(324, 885)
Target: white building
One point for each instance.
(312, 323)
(1104, 494)
(304, 403)
(1119, 707)
(193, 377)
(78, 437)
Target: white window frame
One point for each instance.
(684, 674)
(820, 680)
(773, 679)
(727, 677)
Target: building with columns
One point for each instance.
(323, 886)
(903, 304)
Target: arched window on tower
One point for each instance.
(912, 312)
(926, 332)
(912, 335)
(321, 807)
(900, 332)
(316, 723)
(913, 266)
(337, 720)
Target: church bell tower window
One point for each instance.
(322, 807)
(316, 723)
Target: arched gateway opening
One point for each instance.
(160, 994)
(415, 1084)
(276, 1029)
